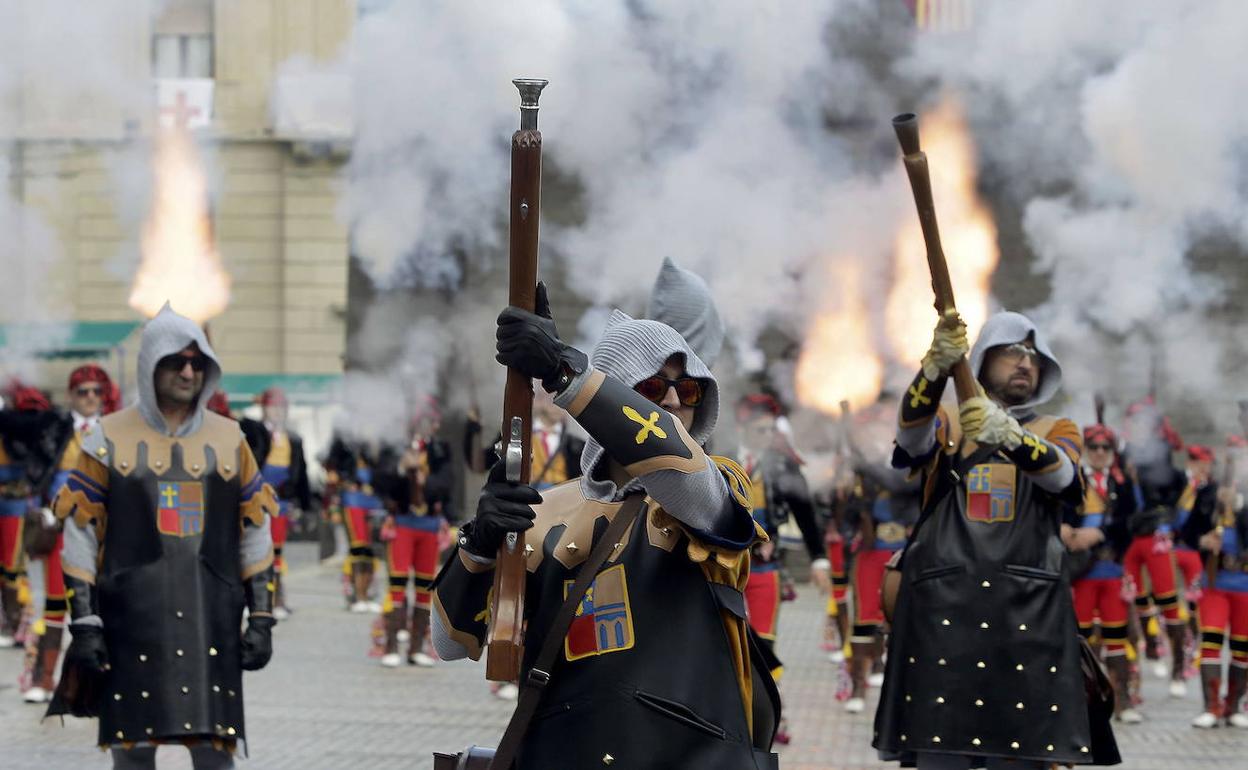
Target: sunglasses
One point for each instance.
(92, 391)
(1018, 351)
(1100, 448)
(175, 363)
(688, 389)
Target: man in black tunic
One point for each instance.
(984, 661)
(166, 541)
(656, 670)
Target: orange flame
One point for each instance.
(839, 361)
(968, 234)
(179, 262)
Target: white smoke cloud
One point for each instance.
(1112, 124)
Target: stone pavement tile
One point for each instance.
(323, 704)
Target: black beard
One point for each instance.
(1013, 395)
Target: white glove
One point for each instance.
(949, 344)
(987, 424)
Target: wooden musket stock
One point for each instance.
(505, 643)
(907, 127)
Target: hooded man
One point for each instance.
(90, 393)
(166, 540)
(682, 300)
(656, 669)
(984, 657)
(279, 453)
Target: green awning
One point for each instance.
(242, 389)
(73, 339)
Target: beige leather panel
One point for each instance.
(566, 505)
(127, 429)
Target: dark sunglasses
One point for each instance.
(1101, 447)
(688, 389)
(84, 392)
(175, 363)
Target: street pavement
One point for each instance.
(322, 703)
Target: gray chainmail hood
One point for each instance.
(682, 300)
(164, 335)
(630, 351)
(1006, 329)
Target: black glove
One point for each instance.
(257, 642)
(87, 650)
(530, 344)
(503, 507)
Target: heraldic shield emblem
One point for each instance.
(990, 492)
(180, 511)
(603, 622)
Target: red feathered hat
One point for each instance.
(110, 394)
(1200, 453)
(756, 404)
(27, 399)
(273, 396)
(219, 403)
(1099, 432)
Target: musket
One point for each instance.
(907, 127)
(505, 643)
(1098, 402)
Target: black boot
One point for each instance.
(419, 629)
(1211, 689)
(1236, 684)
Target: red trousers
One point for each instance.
(1219, 611)
(10, 546)
(868, 578)
(1155, 557)
(840, 581)
(762, 602)
(1102, 597)
(278, 526)
(56, 603)
(412, 553)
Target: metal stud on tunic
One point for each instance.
(607, 759)
(1019, 667)
(186, 690)
(983, 625)
(142, 657)
(227, 469)
(149, 731)
(178, 613)
(1052, 669)
(986, 584)
(945, 622)
(120, 734)
(212, 651)
(1049, 747)
(979, 702)
(981, 664)
(572, 547)
(229, 731)
(1019, 705)
(178, 653)
(975, 741)
(1084, 749)
(1014, 745)
(667, 531)
(940, 699)
(528, 549)
(186, 725)
(941, 662)
(935, 739)
(143, 694)
(1053, 707)
(216, 688)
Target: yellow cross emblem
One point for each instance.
(916, 391)
(1038, 447)
(648, 426)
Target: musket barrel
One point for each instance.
(505, 642)
(906, 125)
